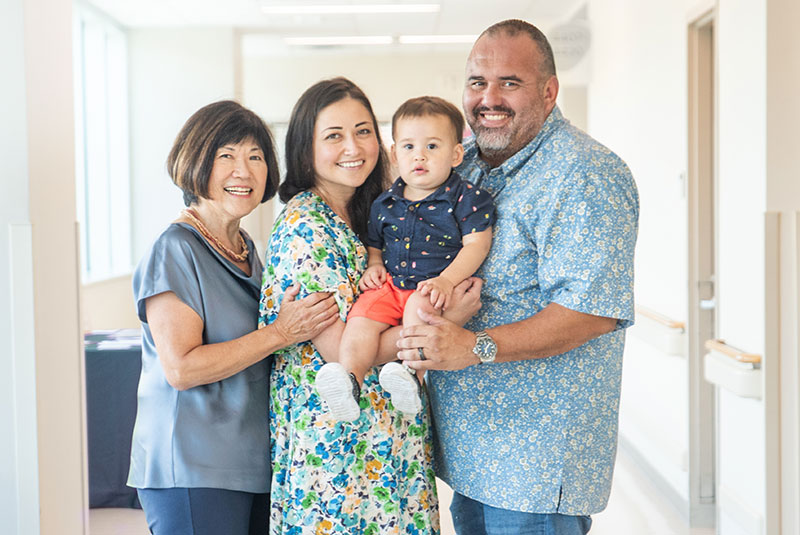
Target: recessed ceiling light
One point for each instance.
(435, 39)
(340, 40)
(349, 9)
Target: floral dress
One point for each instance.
(370, 476)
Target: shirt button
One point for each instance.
(403, 264)
(411, 208)
(406, 239)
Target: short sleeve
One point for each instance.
(374, 234)
(169, 266)
(474, 210)
(586, 242)
(303, 249)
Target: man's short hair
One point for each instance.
(427, 106)
(513, 27)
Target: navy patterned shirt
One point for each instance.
(540, 435)
(419, 239)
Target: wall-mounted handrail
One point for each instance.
(721, 347)
(660, 318)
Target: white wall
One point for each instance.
(273, 84)
(109, 304)
(637, 106)
(742, 170)
(19, 496)
(389, 76)
(54, 250)
(40, 359)
(172, 73)
(783, 105)
(782, 380)
(741, 40)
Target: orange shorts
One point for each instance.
(384, 304)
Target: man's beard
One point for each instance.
(492, 140)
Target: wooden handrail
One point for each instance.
(729, 351)
(660, 318)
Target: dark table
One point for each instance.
(113, 364)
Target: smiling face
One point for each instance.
(345, 148)
(506, 99)
(238, 178)
(425, 150)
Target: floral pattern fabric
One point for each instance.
(372, 476)
(540, 435)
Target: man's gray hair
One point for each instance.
(513, 27)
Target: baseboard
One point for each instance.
(661, 484)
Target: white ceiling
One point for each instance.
(456, 17)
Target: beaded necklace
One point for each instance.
(236, 257)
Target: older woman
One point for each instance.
(200, 456)
(374, 475)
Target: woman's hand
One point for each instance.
(466, 301)
(303, 320)
(373, 278)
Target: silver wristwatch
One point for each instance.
(485, 348)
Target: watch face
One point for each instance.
(485, 348)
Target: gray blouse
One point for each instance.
(214, 435)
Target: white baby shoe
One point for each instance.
(402, 384)
(340, 390)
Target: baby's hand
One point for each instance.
(373, 278)
(440, 289)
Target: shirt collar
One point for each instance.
(399, 186)
(553, 122)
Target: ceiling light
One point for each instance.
(435, 39)
(341, 40)
(349, 9)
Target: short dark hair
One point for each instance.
(300, 174)
(427, 106)
(513, 27)
(192, 156)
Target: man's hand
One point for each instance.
(440, 290)
(445, 345)
(373, 278)
(466, 301)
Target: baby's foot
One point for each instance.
(340, 391)
(402, 384)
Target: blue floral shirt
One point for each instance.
(540, 435)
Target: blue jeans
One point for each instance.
(199, 511)
(474, 518)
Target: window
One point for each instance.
(101, 145)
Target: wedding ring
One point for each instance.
(421, 354)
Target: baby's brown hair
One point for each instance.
(426, 106)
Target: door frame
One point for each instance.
(702, 259)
